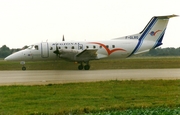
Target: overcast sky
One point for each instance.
(24, 22)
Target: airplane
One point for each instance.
(84, 51)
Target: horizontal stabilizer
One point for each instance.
(166, 17)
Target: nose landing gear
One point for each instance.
(23, 65)
(23, 68)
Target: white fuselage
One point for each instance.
(120, 48)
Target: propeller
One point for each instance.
(57, 51)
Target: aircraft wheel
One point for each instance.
(80, 67)
(23, 68)
(87, 67)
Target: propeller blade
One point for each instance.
(56, 51)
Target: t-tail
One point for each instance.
(152, 35)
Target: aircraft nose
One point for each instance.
(14, 57)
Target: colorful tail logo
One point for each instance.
(152, 33)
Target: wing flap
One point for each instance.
(88, 53)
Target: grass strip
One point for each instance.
(130, 63)
(80, 98)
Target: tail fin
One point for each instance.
(155, 29)
(152, 35)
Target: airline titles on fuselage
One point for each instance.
(67, 43)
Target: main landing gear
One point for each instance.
(23, 65)
(86, 67)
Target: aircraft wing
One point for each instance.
(88, 54)
(76, 55)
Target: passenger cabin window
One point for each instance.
(51, 48)
(100, 46)
(94, 47)
(65, 47)
(107, 46)
(72, 47)
(113, 46)
(59, 47)
(87, 47)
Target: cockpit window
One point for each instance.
(36, 47)
(30, 47)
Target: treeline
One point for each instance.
(163, 52)
(5, 51)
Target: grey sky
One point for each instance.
(24, 22)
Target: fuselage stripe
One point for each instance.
(159, 40)
(107, 49)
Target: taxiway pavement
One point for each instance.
(39, 77)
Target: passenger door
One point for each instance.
(44, 50)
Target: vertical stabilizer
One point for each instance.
(152, 35)
(155, 29)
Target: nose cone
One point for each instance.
(14, 57)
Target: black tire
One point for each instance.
(80, 67)
(87, 67)
(23, 68)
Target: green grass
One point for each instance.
(91, 97)
(146, 111)
(130, 63)
(109, 97)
